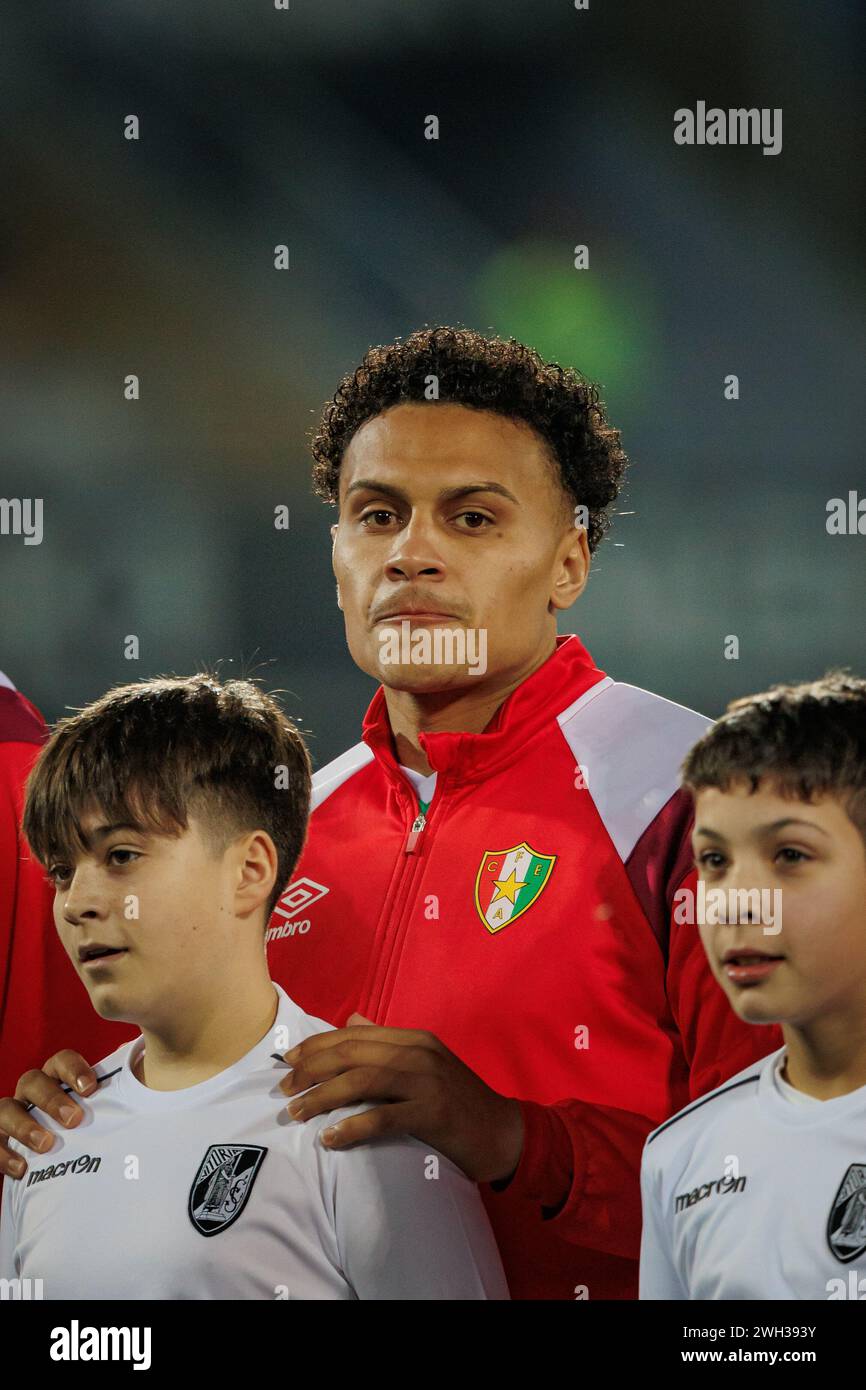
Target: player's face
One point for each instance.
(452, 519)
(815, 966)
(159, 912)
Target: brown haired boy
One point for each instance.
(758, 1190)
(169, 815)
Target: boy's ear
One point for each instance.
(257, 872)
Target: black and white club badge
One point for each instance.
(846, 1227)
(222, 1185)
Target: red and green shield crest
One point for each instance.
(508, 882)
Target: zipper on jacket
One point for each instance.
(418, 824)
(396, 908)
(408, 868)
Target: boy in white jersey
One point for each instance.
(169, 815)
(758, 1190)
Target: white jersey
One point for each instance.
(756, 1191)
(215, 1192)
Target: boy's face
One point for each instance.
(165, 908)
(816, 965)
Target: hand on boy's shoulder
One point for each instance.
(410, 1083)
(52, 1091)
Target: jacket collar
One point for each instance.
(567, 673)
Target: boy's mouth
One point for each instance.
(748, 967)
(96, 953)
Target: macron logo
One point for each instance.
(297, 897)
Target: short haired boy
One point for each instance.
(169, 815)
(758, 1189)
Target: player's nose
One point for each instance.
(413, 567)
(415, 551)
(415, 556)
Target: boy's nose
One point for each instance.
(83, 901)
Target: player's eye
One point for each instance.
(379, 515)
(473, 519)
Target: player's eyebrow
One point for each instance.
(448, 494)
(760, 830)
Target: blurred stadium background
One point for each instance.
(305, 127)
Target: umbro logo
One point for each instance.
(297, 898)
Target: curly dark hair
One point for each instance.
(507, 378)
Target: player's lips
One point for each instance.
(96, 953)
(415, 615)
(746, 966)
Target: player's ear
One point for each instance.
(571, 568)
(339, 599)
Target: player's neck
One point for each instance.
(468, 709)
(209, 1036)
(826, 1058)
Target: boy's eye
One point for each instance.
(127, 852)
(59, 874)
(798, 856)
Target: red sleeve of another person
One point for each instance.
(43, 1005)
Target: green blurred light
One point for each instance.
(600, 320)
